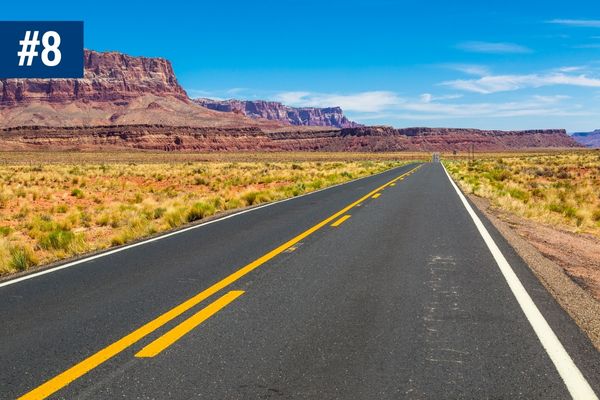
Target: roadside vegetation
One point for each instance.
(557, 189)
(63, 207)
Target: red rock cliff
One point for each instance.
(275, 111)
(108, 76)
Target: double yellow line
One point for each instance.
(65, 378)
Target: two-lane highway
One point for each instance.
(385, 287)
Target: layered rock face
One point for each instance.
(169, 138)
(117, 89)
(107, 77)
(275, 111)
(449, 139)
(589, 139)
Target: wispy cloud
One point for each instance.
(572, 68)
(531, 106)
(493, 47)
(550, 99)
(584, 23)
(470, 69)
(373, 101)
(194, 93)
(428, 97)
(236, 90)
(427, 106)
(502, 83)
(587, 46)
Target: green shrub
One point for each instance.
(518, 194)
(561, 208)
(175, 218)
(250, 198)
(21, 258)
(199, 211)
(78, 193)
(498, 175)
(58, 239)
(159, 212)
(537, 192)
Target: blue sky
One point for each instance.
(485, 64)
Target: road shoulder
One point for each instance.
(578, 303)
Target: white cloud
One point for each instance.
(493, 47)
(237, 90)
(428, 97)
(373, 101)
(196, 93)
(586, 23)
(292, 98)
(469, 69)
(571, 68)
(376, 105)
(502, 83)
(530, 106)
(550, 99)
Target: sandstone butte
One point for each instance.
(126, 102)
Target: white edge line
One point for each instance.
(576, 383)
(177, 232)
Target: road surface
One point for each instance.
(386, 287)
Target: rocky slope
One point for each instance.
(275, 111)
(589, 139)
(161, 137)
(116, 89)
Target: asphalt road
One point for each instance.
(401, 298)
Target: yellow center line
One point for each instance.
(64, 378)
(341, 220)
(180, 330)
(376, 195)
(393, 184)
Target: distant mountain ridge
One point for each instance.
(275, 111)
(299, 138)
(589, 139)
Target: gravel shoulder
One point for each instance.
(567, 264)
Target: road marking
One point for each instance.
(341, 220)
(393, 184)
(183, 328)
(570, 374)
(169, 234)
(63, 379)
(376, 195)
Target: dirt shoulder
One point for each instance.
(567, 264)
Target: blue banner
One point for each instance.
(41, 49)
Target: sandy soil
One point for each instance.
(577, 254)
